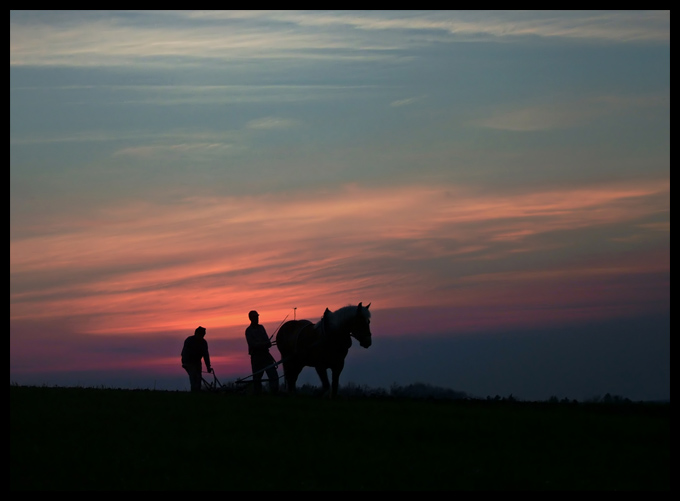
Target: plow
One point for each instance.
(214, 385)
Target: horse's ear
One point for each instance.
(359, 307)
(368, 306)
(326, 312)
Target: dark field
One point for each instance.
(80, 438)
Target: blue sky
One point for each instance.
(468, 172)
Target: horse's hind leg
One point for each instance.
(323, 375)
(291, 373)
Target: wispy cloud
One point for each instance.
(111, 39)
(407, 101)
(267, 123)
(115, 38)
(175, 149)
(149, 267)
(604, 25)
(564, 112)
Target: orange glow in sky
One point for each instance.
(146, 268)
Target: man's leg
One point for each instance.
(195, 377)
(273, 376)
(256, 366)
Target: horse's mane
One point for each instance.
(342, 315)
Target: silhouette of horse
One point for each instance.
(323, 345)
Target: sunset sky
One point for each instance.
(496, 185)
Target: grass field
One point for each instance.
(94, 439)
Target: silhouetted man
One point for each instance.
(195, 349)
(260, 358)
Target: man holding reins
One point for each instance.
(260, 359)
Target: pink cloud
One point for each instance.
(144, 267)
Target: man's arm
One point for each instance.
(206, 357)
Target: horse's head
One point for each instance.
(361, 328)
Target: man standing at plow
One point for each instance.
(196, 348)
(260, 359)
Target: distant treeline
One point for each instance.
(426, 391)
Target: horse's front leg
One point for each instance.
(336, 379)
(323, 375)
